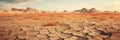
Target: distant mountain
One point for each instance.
(87, 10)
(82, 10)
(93, 10)
(28, 9)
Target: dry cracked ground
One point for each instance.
(59, 26)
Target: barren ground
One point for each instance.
(59, 26)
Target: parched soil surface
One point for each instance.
(59, 26)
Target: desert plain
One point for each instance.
(59, 26)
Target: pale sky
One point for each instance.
(62, 4)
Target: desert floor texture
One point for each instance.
(53, 26)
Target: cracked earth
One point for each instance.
(59, 26)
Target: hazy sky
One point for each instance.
(62, 4)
